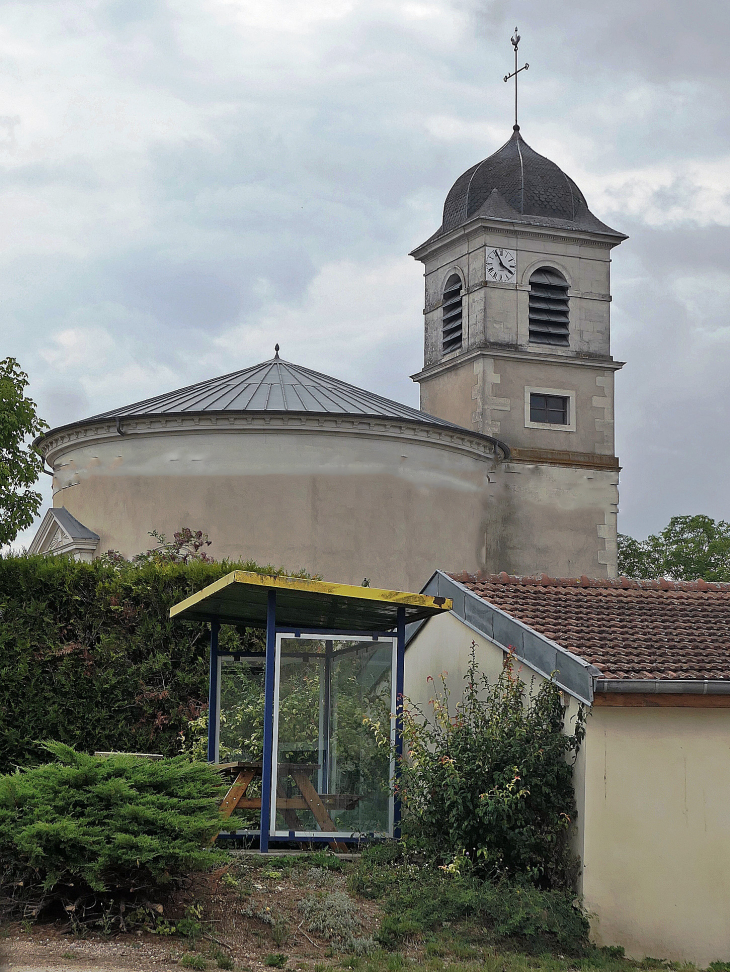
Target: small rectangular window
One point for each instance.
(549, 409)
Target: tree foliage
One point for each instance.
(84, 831)
(688, 548)
(491, 781)
(20, 467)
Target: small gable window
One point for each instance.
(549, 308)
(451, 333)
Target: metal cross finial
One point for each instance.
(516, 43)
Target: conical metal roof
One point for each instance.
(273, 386)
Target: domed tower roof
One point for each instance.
(518, 185)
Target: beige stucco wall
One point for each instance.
(657, 831)
(340, 503)
(556, 520)
(653, 793)
(486, 393)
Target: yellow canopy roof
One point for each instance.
(241, 597)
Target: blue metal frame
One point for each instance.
(270, 661)
(268, 720)
(213, 691)
(400, 655)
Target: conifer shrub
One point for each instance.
(487, 784)
(96, 835)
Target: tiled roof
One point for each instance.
(628, 629)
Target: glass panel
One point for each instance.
(334, 730)
(552, 409)
(241, 732)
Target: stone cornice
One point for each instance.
(601, 364)
(524, 230)
(58, 441)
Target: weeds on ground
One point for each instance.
(191, 961)
(420, 900)
(334, 917)
(276, 960)
(222, 960)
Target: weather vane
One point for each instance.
(516, 44)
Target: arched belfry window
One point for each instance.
(451, 334)
(549, 307)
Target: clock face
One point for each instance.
(501, 265)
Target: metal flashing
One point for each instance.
(545, 657)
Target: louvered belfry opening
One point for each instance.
(549, 322)
(452, 314)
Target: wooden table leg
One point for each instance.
(318, 808)
(290, 816)
(236, 792)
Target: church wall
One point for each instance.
(487, 394)
(346, 506)
(557, 520)
(498, 312)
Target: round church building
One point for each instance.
(281, 465)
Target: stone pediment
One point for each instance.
(61, 533)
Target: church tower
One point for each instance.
(517, 345)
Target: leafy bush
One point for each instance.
(491, 782)
(90, 657)
(420, 900)
(85, 831)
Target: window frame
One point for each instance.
(570, 426)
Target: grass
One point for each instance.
(276, 960)
(190, 961)
(456, 913)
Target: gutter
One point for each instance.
(661, 686)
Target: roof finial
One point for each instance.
(276, 350)
(516, 43)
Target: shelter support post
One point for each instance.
(400, 655)
(213, 691)
(268, 720)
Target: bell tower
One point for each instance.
(517, 345)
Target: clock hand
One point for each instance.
(501, 263)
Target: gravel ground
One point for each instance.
(38, 953)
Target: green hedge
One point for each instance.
(89, 656)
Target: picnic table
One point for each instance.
(319, 803)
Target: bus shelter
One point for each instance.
(310, 724)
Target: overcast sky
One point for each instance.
(184, 183)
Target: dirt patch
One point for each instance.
(247, 911)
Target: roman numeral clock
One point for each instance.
(501, 265)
